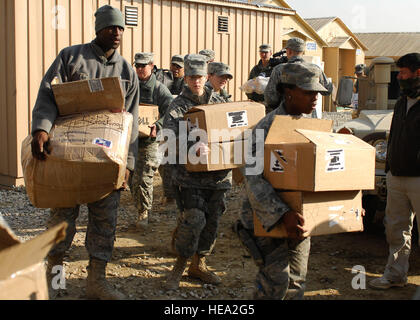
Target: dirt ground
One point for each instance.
(141, 260)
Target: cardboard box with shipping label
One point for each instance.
(87, 162)
(224, 127)
(22, 267)
(89, 95)
(296, 158)
(324, 213)
(148, 115)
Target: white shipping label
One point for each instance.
(335, 160)
(95, 85)
(237, 119)
(275, 165)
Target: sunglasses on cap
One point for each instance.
(140, 65)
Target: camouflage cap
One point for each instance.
(178, 60)
(266, 48)
(359, 68)
(195, 65)
(219, 69)
(210, 54)
(143, 58)
(304, 75)
(296, 44)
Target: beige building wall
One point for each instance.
(291, 23)
(35, 31)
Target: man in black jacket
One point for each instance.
(403, 174)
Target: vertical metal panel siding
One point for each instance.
(4, 94)
(38, 30)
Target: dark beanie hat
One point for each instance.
(107, 16)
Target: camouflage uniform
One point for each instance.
(283, 262)
(220, 69)
(272, 97)
(82, 62)
(148, 160)
(201, 195)
(165, 76)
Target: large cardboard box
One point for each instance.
(89, 95)
(324, 212)
(148, 115)
(224, 126)
(307, 160)
(22, 267)
(87, 162)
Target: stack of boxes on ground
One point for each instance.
(226, 128)
(318, 173)
(89, 145)
(22, 268)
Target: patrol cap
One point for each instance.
(304, 75)
(195, 65)
(178, 60)
(210, 54)
(266, 48)
(359, 68)
(296, 44)
(107, 16)
(220, 69)
(143, 58)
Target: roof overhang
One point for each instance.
(243, 5)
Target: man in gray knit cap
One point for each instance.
(98, 59)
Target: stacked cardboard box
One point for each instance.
(148, 115)
(226, 128)
(22, 269)
(318, 173)
(89, 149)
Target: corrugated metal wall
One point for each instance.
(36, 30)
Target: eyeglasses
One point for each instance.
(140, 65)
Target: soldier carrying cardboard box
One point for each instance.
(201, 195)
(155, 93)
(98, 59)
(282, 262)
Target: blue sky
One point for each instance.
(366, 15)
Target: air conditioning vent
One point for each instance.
(223, 24)
(131, 16)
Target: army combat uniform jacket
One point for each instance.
(272, 97)
(282, 262)
(175, 85)
(178, 108)
(223, 95)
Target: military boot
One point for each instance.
(97, 286)
(172, 282)
(198, 269)
(52, 261)
(142, 219)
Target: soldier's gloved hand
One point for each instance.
(126, 178)
(40, 145)
(294, 224)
